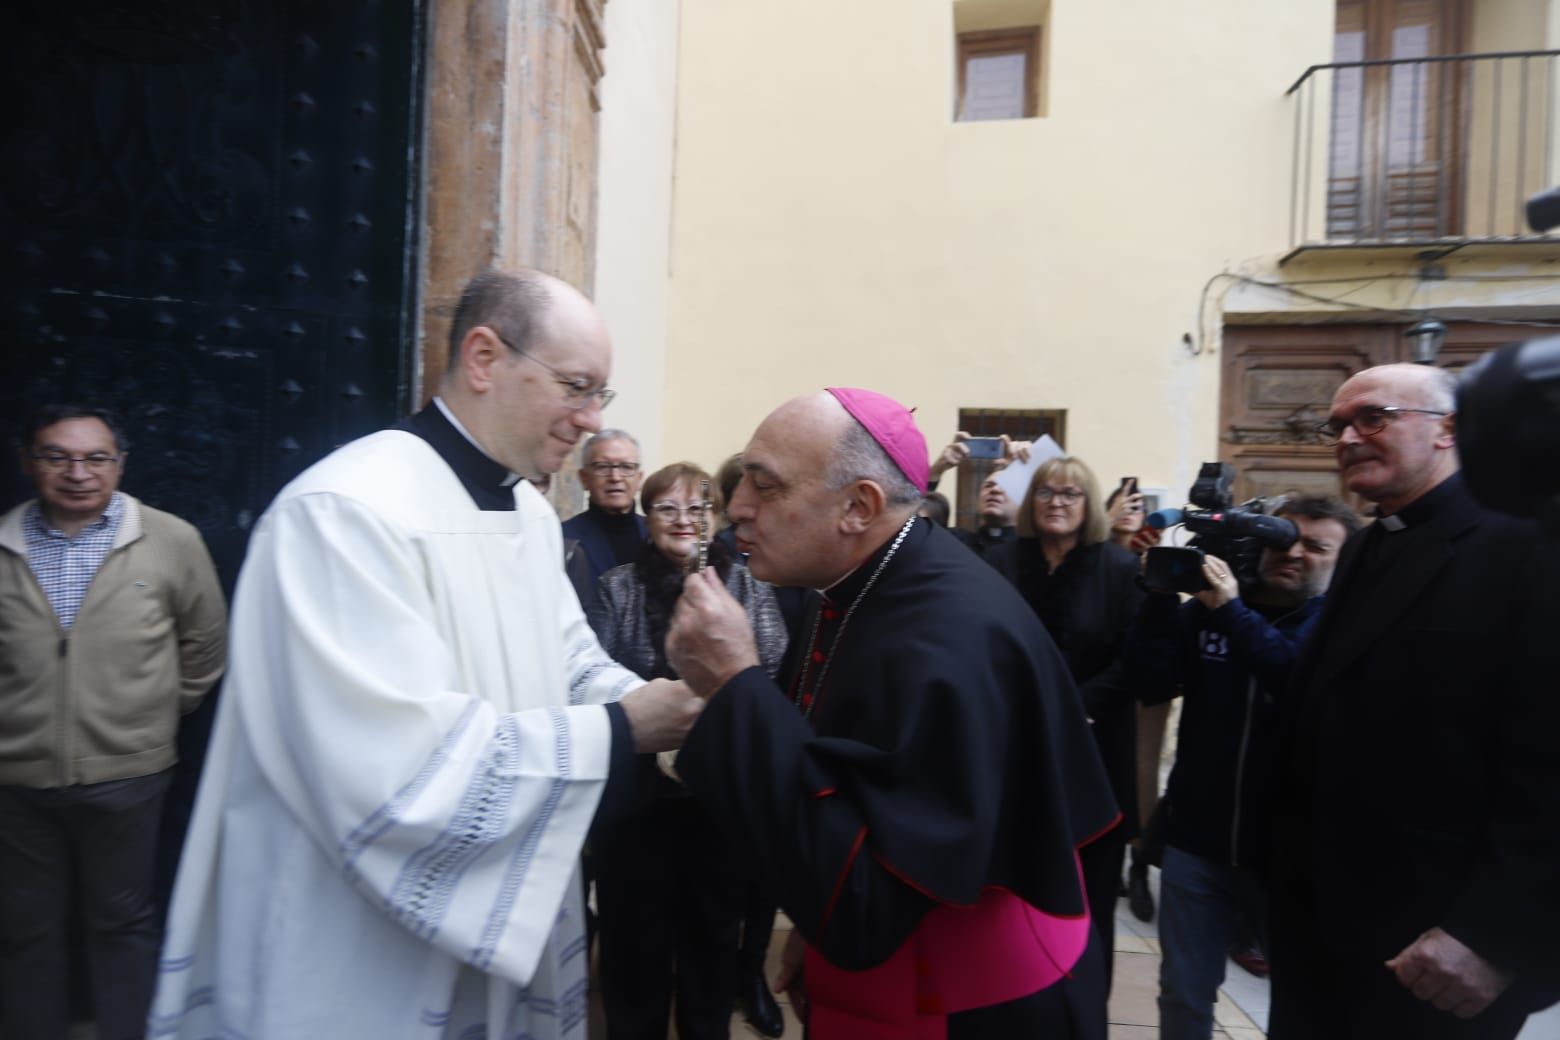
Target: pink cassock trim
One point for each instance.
(958, 958)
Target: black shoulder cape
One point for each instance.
(947, 751)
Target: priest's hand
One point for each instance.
(660, 714)
(710, 639)
(1439, 968)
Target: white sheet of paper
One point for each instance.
(1014, 480)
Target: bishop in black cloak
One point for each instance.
(915, 790)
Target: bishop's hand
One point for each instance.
(710, 639)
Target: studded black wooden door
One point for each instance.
(207, 214)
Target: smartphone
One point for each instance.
(1129, 486)
(985, 447)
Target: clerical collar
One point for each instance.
(510, 478)
(845, 590)
(489, 483)
(1420, 509)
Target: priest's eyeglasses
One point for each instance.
(1369, 420)
(577, 391)
(671, 512)
(1066, 496)
(59, 462)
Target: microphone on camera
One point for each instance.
(1163, 518)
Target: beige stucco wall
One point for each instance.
(832, 226)
(638, 136)
(1507, 111)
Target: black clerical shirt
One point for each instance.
(490, 485)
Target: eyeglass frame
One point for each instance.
(576, 396)
(693, 512)
(606, 469)
(1045, 493)
(1386, 415)
(62, 462)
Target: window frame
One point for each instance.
(1026, 424)
(1022, 39)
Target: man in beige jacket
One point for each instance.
(112, 625)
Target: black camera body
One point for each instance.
(1235, 534)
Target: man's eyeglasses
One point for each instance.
(1369, 420)
(576, 391)
(1066, 496)
(606, 469)
(671, 512)
(59, 462)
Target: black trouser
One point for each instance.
(91, 846)
(668, 903)
(758, 923)
(1101, 860)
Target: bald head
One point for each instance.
(529, 356)
(1417, 386)
(1413, 446)
(818, 496)
(523, 306)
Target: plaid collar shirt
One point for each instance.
(64, 566)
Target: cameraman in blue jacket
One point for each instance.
(1227, 652)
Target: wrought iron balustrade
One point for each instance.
(1423, 150)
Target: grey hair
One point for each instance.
(858, 457)
(602, 436)
(512, 304)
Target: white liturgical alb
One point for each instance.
(409, 750)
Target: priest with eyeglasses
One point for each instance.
(418, 724)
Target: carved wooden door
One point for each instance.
(207, 210)
(1278, 387)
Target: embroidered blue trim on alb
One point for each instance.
(622, 687)
(386, 816)
(583, 679)
(421, 895)
(574, 1006)
(572, 950)
(167, 1025)
(520, 864)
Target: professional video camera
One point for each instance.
(1508, 415)
(1235, 534)
(1508, 430)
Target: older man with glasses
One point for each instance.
(608, 533)
(1418, 818)
(112, 626)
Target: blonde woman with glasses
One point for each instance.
(1084, 588)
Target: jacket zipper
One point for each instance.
(1240, 757)
(67, 716)
(1240, 771)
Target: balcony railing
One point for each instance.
(1423, 150)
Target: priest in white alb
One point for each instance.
(418, 724)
